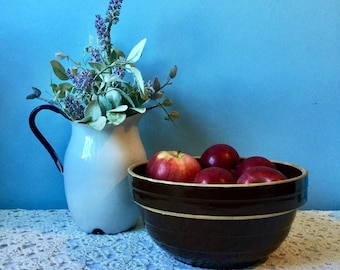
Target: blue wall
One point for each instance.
(260, 75)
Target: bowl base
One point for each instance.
(218, 264)
(230, 244)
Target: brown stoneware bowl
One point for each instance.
(220, 225)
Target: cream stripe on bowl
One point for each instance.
(207, 217)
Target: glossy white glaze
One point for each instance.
(97, 189)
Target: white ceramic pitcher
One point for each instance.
(97, 187)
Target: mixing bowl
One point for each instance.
(220, 225)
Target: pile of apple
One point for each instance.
(218, 164)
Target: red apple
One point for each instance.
(214, 175)
(260, 174)
(251, 162)
(173, 166)
(220, 155)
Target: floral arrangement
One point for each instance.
(107, 87)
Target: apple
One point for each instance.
(220, 155)
(173, 166)
(214, 175)
(251, 162)
(260, 174)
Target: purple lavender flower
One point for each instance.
(113, 11)
(82, 81)
(119, 71)
(95, 56)
(74, 107)
(101, 31)
(70, 74)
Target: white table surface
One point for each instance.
(48, 239)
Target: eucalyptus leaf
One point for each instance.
(62, 89)
(113, 56)
(54, 87)
(31, 96)
(115, 118)
(116, 79)
(137, 75)
(36, 92)
(114, 97)
(93, 109)
(59, 70)
(118, 54)
(139, 110)
(60, 94)
(65, 86)
(136, 52)
(86, 119)
(99, 124)
(126, 96)
(121, 108)
(97, 66)
(104, 103)
(101, 87)
(105, 77)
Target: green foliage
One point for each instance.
(59, 70)
(106, 88)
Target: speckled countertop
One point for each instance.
(38, 239)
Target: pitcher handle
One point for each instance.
(39, 135)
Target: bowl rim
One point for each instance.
(304, 173)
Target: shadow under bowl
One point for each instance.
(220, 225)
